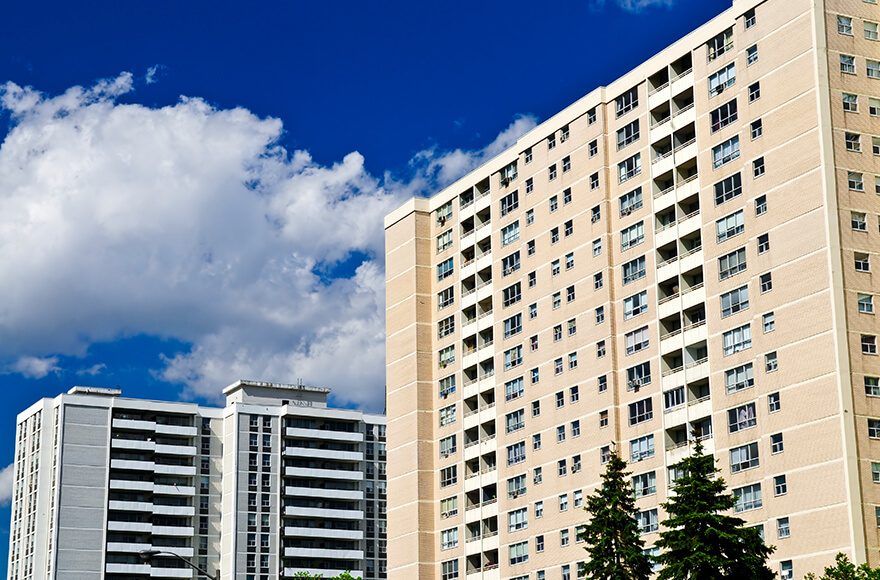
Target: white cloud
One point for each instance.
(6, 481)
(635, 6)
(32, 367)
(153, 73)
(93, 370)
(191, 222)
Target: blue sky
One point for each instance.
(193, 192)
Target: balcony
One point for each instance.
(329, 533)
(352, 436)
(314, 472)
(320, 553)
(307, 512)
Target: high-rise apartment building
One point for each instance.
(686, 253)
(272, 484)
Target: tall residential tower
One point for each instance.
(687, 252)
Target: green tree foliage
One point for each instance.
(612, 534)
(843, 569)
(699, 541)
(344, 576)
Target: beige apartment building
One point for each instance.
(687, 252)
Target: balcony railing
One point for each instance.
(681, 75)
(658, 89)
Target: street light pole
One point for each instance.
(147, 555)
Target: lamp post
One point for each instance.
(147, 555)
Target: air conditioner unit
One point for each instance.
(505, 181)
(514, 495)
(635, 384)
(720, 88)
(441, 220)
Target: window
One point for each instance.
(594, 147)
(517, 520)
(763, 243)
(569, 292)
(595, 214)
(447, 446)
(444, 269)
(644, 484)
(674, 398)
(776, 444)
(760, 205)
(449, 539)
(530, 247)
(632, 236)
(536, 408)
(530, 185)
(447, 386)
(754, 92)
(535, 376)
(757, 129)
(862, 262)
(444, 212)
(873, 68)
(511, 295)
(875, 145)
(626, 135)
(874, 107)
(513, 389)
(769, 321)
(533, 343)
(510, 264)
(560, 400)
(640, 411)
(871, 31)
(444, 241)
(721, 80)
(602, 383)
(574, 396)
(725, 152)
(635, 305)
(728, 188)
(575, 429)
(636, 340)
(554, 203)
(750, 19)
(528, 155)
(447, 415)
(551, 141)
(747, 498)
(569, 261)
(516, 453)
(732, 263)
(630, 202)
(737, 340)
(869, 344)
(741, 418)
(554, 235)
(866, 303)
(633, 270)
(563, 502)
(853, 141)
(449, 570)
(557, 300)
(519, 553)
(597, 247)
(516, 486)
(638, 376)
(566, 199)
(560, 434)
(566, 164)
(448, 476)
(539, 509)
(572, 361)
(536, 442)
(533, 279)
(730, 226)
(720, 44)
(786, 570)
(515, 421)
(509, 203)
(744, 457)
(734, 301)
(739, 378)
(554, 267)
(510, 233)
(723, 116)
(627, 101)
(446, 356)
(597, 281)
(629, 168)
(782, 528)
(563, 538)
(751, 55)
(850, 103)
(847, 64)
(780, 487)
(563, 135)
(855, 181)
(758, 167)
(844, 25)
(594, 184)
(647, 521)
(551, 173)
(766, 282)
(561, 468)
(641, 448)
(773, 402)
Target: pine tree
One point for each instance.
(699, 541)
(612, 534)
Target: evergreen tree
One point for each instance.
(700, 542)
(843, 569)
(612, 534)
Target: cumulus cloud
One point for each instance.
(32, 367)
(192, 222)
(93, 370)
(634, 6)
(6, 481)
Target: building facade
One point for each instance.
(685, 253)
(272, 484)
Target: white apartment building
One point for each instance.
(274, 483)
